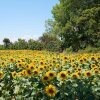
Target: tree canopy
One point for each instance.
(77, 22)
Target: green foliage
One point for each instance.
(1, 47)
(6, 42)
(90, 49)
(50, 42)
(77, 23)
(34, 45)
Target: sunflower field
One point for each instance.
(44, 75)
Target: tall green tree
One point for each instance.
(50, 42)
(77, 22)
(6, 42)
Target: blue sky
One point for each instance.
(24, 18)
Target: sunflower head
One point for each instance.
(88, 73)
(14, 74)
(51, 74)
(74, 75)
(35, 72)
(12, 59)
(62, 75)
(51, 90)
(93, 65)
(93, 58)
(45, 78)
(68, 72)
(96, 71)
(29, 72)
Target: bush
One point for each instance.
(90, 49)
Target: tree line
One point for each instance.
(45, 42)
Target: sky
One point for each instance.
(24, 18)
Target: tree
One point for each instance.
(50, 42)
(34, 45)
(77, 21)
(6, 42)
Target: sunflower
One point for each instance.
(96, 71)
(79, 69)
(57, 66)
(88, 73)
(93, 58)
(53, 61)
(73, 65)
(51, 74)
(51, 90)
(35, 72)
(79, 73)
(14, 74)
(31, 66)
(72, 60)
(68, 72)
(3, 63)
(62, 75)
(19, 65)
(45, 78)
(65, 58)
(85, 59)
(24, 72)
(1, 74)
(41, 68)
(41, 62)
(98, 58)
(74, 75)
(93, 65)
(12, 59)
(81, 61)
(29, 72)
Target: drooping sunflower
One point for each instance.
(51, 90)
(1, 74)
(88, 73)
